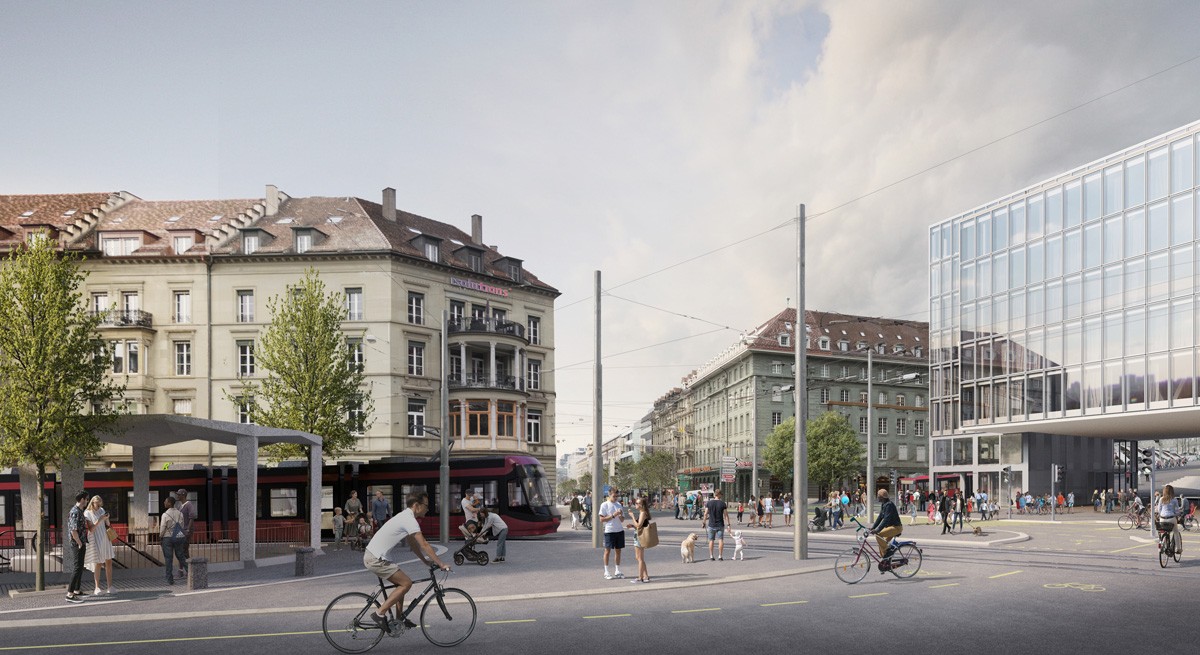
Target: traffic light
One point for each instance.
(1060, 473)
(1005, 473)
(1146, 461)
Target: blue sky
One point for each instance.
(619, 136)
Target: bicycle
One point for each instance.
(853, 564)
(1167, 549)
(447, 617)
(1131, 520)
(1189, 520)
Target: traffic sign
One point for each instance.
(726, 477)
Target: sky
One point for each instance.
(666, 144)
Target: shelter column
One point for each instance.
(139, 510)
(314, 496)
(247, 484)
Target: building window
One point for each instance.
(357, 418)
(882, 425)
(901, 426)
(920, 401)
(183, 307)
(100, 303)
(844, 395)
(356, 355)
(416, 417)
(249, 243)
(776, 368)
(245, 409)
(882, 398)
(881, 451)
(183, 358)
(431, 251)
(862, 397)
(533, 378)
(533, 426)
(457, 311)
(902, 452)
(844, 345)
(776, 419)
(506, 419)
(245, 306)
(824, 396)
(534, 331)
(416, 308)
(919, 428)
(304, 240)
(824, 370)
(862, 425)
(785, 339)
(354, 304)
(182, 407)
(118, 246)
(477, 418)
(245, 351)
(182, 244)
(474, 261)
(131, 302)
(416, 358)
(125, 356)
(920, 453)
(900, 399)
(823, 343)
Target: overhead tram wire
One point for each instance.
(868, 194)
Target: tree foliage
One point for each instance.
(655, 470)
(834, 452)
(311, 382)
(56, 393)
(623, 473)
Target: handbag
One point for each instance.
(112, 533)
(648, 536)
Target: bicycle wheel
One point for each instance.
(1189, 523)
(1125, 522)
(1163, 558)
(852, 566)
(448, 619)
(346, 623)
(1175, 550)
(911, 556)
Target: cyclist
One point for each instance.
(1168, 515)
(382, 553)
(887, 525)
(1138, 508)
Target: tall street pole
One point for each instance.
(598, 416)
(444, 464)
(800, 447)
(870, 491)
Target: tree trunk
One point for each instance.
(39, 581)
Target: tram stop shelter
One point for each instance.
(145, 431)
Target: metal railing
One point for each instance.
(125, 318)
(482, 382)
(493, 325)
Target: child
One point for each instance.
(339, 526)
(740, 543)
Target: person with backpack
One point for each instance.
(173, 538)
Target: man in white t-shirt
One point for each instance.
(612, 513)
(383, 552)
(470, 506)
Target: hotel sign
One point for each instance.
(478, 286)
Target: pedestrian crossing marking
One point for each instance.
(1001, 575)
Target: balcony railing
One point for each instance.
(492, 325)
(482, 382)
(125, 318)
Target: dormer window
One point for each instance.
(843, 345)
(120, 245)
(474, 261)
(304, 240)
(897, 349)
(431, 251)
(785, 339)
(250, 243)
(182, 243)
(823, 343)
(36, 236)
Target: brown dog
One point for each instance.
(687, 550)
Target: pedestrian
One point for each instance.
(339, 527)
(492, 521)
(1095, 500)
(741, 507)
(639, 549)
(587, 511)
(958, 510)
(470, 508)
(944, 509)
(576, 508)
(716, 514)
(172, 538)
(77, 528)
(1070, 501)
(769, 510)
(1111, 497)
(188, 511)
(787, 510)
(611, 514)
(381, 510)
(759, 508)
(353, 509)
(100, 549)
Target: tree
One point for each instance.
(56, 393)
(623, 475)
(312, 383)
(655, 471)
(834, 452)
(585, 482)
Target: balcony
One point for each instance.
(125, 318)
(486, 325)
(506, 382)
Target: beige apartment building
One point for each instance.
(184, 288)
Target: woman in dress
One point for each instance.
(100, 549)
(639, 551)
(787, 510)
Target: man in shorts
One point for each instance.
(382, 553)
(716, 516)
(611, 513)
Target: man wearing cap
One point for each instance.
(188, 510)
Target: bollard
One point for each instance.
(304, 562)
(197, 577)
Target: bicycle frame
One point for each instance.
(385, 589)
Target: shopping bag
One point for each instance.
(648, 536)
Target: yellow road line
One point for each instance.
(789, 602)
(1121, 550)
(510, 621)
(702, 609)
(607, 616)
(939, 586)
(1001, 575)
(160, 641)
(883, 593)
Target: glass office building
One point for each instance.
(1063, 318)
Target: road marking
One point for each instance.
(607, 616)
(939, 586)
(1121, 550)
(882, 593)
(789, 602)
(160, 641)
(702, 609)
(1001, 575)
(1075, 585)
(511, 621)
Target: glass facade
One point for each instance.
(1074, 297)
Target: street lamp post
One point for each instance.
(870, 499)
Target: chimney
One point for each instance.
(389, 204)
(477, 229)
(272, 200)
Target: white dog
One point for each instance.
(687, 550)
(740, 542)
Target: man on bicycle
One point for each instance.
(382, 553)
(887, 526)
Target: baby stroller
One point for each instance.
(817, 523)
(467, 553)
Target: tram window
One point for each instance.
(112, 504)
(283, 503)
(407, 490)
(326, 499)
(152, 503)
(516, 495)
(490, 492)
(536, 485)
(387, 495)
(3, 510)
